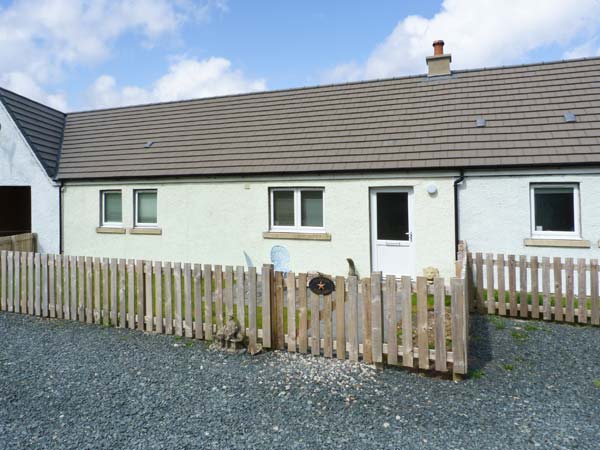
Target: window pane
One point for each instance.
(311, 205)
(554, 209)
(283, 208)
(146, 207)
(392, 216)
(112, 207)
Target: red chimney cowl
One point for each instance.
(438, 47)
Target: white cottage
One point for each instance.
(389, 173)
(30, 141)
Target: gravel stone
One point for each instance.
(70, 385)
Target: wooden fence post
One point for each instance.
(422, 340)
(208, 303)
(501, 286)
(489, 269)
(439, 308)
(199, 322)
(187, 286)
(148, 295)
(512, 285)
(3, 280)
(407, 337)
(581, 291)
(535, 293)
(252, 309)
(594, 292)
(241, 304)
(353, 349)
(266, 305)
(277, 308)
(570, 288)
(376, 318)
(459, 326)
(558, 294)
(391, 319)
(303, 315)
(340, 318)
(291, 311)
(546, 288)
(366, 320)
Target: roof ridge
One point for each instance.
(31, 100)
(319, 86)
(22, 108)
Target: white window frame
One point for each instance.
(137, 224)
(576, 212)
(297, 227)
(103, 221)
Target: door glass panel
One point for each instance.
(311, 205)
(392, 216)
(283, 208)
(554, 209)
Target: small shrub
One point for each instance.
(530, 327)
(519, 335)
(477, 374)
(508, 367)
(597, 383)
(498, 323)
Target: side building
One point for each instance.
(30, 142)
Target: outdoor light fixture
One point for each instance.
(432, 189)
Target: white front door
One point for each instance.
(392, 246)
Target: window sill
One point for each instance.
(110, 230)
(147, 230)
(297, 235)
(571, 243)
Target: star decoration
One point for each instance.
(321, 285)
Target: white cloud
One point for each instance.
(186, 78)
(478, 33)
(24, 84)
(587, 49)
(41, 39)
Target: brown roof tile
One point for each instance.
(401, 123)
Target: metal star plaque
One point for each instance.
(321, 285)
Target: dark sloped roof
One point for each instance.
(41, 126)
(401, 123)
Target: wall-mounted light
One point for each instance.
(432, 189)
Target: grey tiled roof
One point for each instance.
(41, 126)
(402, 123)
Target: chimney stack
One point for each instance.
(439, 63)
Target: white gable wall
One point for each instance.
(20, 167)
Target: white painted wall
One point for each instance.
(20, 167)
(218, 221)
(495, 211)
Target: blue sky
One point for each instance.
(80, 54)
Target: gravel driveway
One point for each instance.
(67, 385)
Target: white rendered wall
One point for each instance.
(219, 222)
(495, 211)
(20, 167)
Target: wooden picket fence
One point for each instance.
(548, 288)
(376, 320)
(26, 242)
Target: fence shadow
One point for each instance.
(480, 343)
